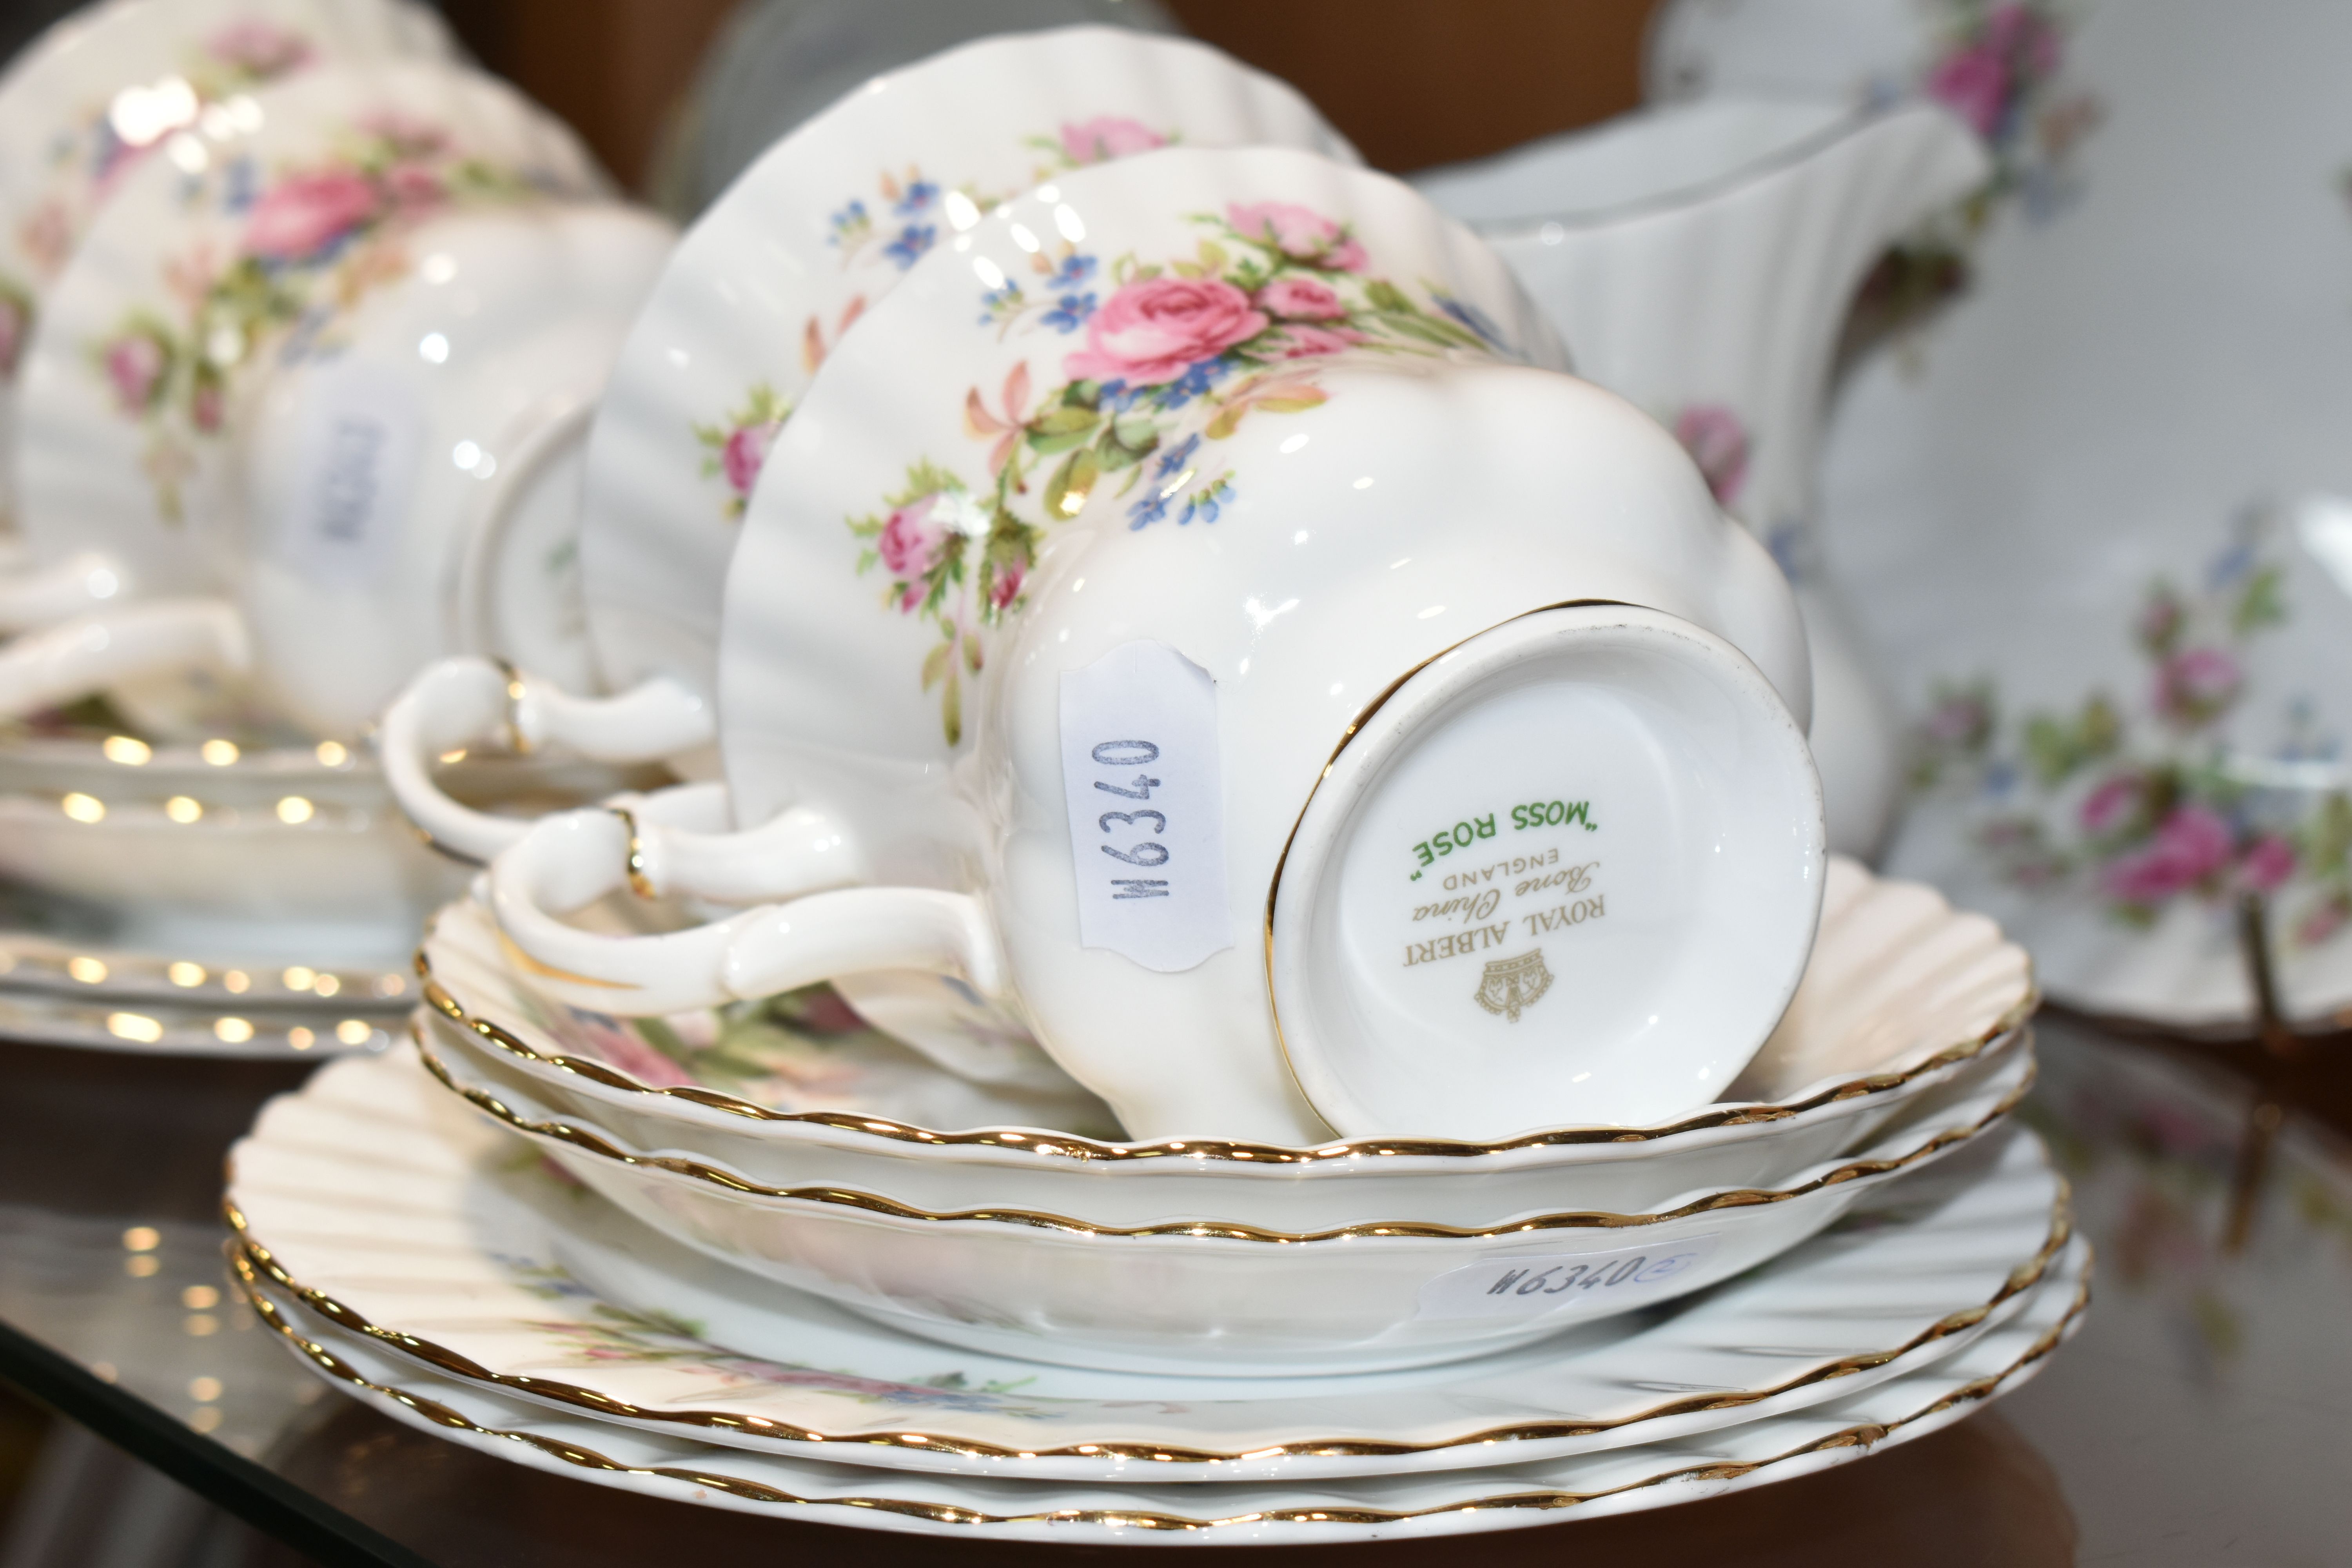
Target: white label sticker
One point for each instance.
(1147, 806)
(1536, 1283)
(360, 434)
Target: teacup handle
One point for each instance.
(93, 651)
(570, 860)
(465, 701)
(42, 596)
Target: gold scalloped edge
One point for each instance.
(1201, 1149)
(249, 1256)
(1861, 1436)
(873, 1203)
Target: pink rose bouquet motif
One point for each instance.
(2143, 809)
(736, 447)
(240, 56)
(1103, 137)
(310, 243)
(1154, 362)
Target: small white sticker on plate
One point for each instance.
(1147, 806)
(361, 433)
(1533, 1284)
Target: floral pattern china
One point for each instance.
(2118, 645)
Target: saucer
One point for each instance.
(1283, 1511)
(496, 1251)
(824, 224)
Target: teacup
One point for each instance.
(111, 85)
(1386, 523)
(300, 368)
(821, 228)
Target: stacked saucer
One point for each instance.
(1218, 1341)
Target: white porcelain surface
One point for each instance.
(1700, 261)
(1186, 498)
(824, 225)
(2120, 644)
(1905, 1006)
(103, 89)
(222, 856)
(375, 247)
(1670, 905)
(526, 1277)
(1189, 1295)
(1131, 1513)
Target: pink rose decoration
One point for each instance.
(1717, 443)
(2270, 862)
(134, 366)
(1300, 233)
(1007, 584)
(2193, 686)
(1148, 331)
(2190, 844)
(2111, 806)
(1973, 84)
(625, 1051)
(745, 454)
(2031, 45)
(912, 542)
(1108, 136)
(412, 187)
(258, 49)
(1297, 342)
(1300, 299)
(13, 318)
(204, 407)
(304, 214)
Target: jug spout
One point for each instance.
(1699, 260)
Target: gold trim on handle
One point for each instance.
(1862, 1436)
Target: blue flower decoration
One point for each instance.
(919, 196)
(912, 241)
(1469, 316)
(848, 219)
(240, 184)
(1205, 503)
(1176, 457)
(1152, 509)
(1073, 271)
(1069, 312)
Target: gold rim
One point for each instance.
(1862, 1435)
(252, 1257)
(847, 1198)
(1207, 1150)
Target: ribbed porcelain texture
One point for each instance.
(1945, 1254)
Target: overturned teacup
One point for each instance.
(1145, 577)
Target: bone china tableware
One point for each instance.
(820, 228)
(1187, 1295)
(113, 84)
(1134, 1510)
(481, 1226)
(1700, 261)
(1172, 552)
(2122, 645)
(1905, 1005)
(289, 372)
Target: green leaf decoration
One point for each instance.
(1067, 491)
